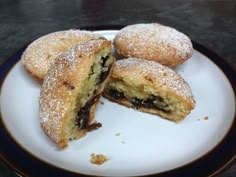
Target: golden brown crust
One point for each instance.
(63, 87)
(40, 53)
(154, 42)
(145, 78)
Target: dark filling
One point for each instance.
(116, 94)
(105, 69)
(151, 102)
(84, 114)
(91, 71)
(94, 126)
(148, 103)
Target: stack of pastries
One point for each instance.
(76, 67)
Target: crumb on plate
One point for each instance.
(206, 118)
(117, 134)
(98, 159)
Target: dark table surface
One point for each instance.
(211, 23)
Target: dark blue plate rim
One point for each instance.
(23, 163)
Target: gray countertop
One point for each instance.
(211, 23)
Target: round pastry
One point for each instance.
(71, 90)
(150, 87)
(154, 42)
(41, 52)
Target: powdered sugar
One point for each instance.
(155, 42)
(41, 52)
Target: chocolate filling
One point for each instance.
(105, 69)
(84, 113)
(155, 102)
(91, 71)
(83, 116)
(116, 94)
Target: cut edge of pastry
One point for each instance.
(79, 96)
(135, 84)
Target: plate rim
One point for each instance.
(226, 147)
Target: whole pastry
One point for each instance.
(40, 53)
(155, 42)
(71, 90)
(150, 87)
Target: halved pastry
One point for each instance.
(150, 87)
(71, 89)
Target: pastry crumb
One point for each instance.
(98, 159)
(117, 134)
(122, 142)
(206, 118)
(101, 102)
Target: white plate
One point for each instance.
(136, 143)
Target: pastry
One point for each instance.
(71, 90)
(150, 87)
(40, 53)
(154, 42)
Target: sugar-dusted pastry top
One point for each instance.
(41, 52)
(155, 42)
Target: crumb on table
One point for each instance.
(98, 159)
